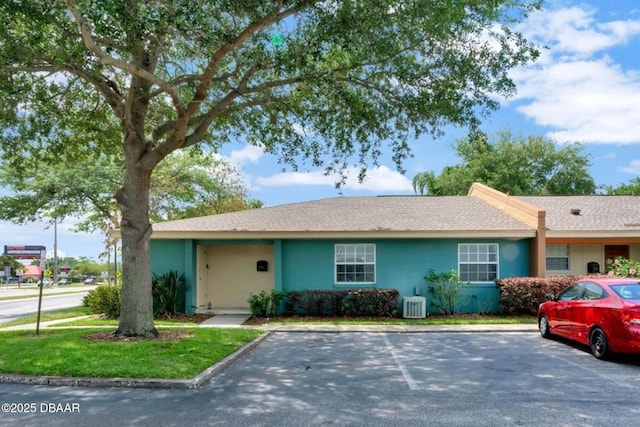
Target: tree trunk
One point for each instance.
(136, 315)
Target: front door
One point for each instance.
(233, 275)
(613, 251)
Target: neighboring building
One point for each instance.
(583, 232)
(387, 242)
(31, 273)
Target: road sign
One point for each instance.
(25, 252)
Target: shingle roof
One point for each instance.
(359, 214)
(596, 213)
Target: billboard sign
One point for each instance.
(25, 252)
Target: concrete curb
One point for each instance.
(486, 328)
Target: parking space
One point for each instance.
(447, 378)
(374, 379)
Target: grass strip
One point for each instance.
(45, 316)
(44, 295)
(435, 320)
(66, 352)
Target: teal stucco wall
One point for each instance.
(176, 255)
(400, 264)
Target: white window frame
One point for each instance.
(555, 251)
(479, 254)
(350, 256)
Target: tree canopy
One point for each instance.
(84, 186)
(327, 82)
(519, 165)
(631, 188)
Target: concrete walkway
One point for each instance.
(225, 321)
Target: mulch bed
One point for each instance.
(181, 317)
(163, 336)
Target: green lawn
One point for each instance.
(66, 352)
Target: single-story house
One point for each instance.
(393, 242)
(31, 273)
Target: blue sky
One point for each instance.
(585, 87)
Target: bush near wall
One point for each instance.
(351, 302)
(106, 300)
(523, 295)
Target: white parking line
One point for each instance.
(413, 385)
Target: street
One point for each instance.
(366, 379)
(12, 309)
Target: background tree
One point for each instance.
(83, 187)
(531, 165)
(208, 185)
(632, 188)
(9, 261)
(175, 73)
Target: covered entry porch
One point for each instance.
(227, 274)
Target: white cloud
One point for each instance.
(248, 154)
(381, 179)
(580, 96)
(633, 168)
(576, 32)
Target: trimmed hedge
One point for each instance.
(523, 295)
(348, 302)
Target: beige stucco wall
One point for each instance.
(227, 275)
(581, 254)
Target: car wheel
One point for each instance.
(543, 325)
(598, 344)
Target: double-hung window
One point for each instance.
(355, 263)
(478, 262)
(557, 257)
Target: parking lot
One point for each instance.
(377, 379)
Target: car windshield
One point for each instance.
(627, 290)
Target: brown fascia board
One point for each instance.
(522, 211)
(292, 235)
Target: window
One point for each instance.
(355, 263)
(558, 257)
(478, 262)
(592, 291)
(574, 292)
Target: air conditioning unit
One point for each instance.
(414, 307)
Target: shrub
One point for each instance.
(621, 266)
(523, 295)
(106, 299)
(347, 302)
(445, 290)
(168, 291)
(265, 304)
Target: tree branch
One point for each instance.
(129, 68)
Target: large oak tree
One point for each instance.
(327, 81)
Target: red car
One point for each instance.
(601, 313)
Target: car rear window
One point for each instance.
(627, 290)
